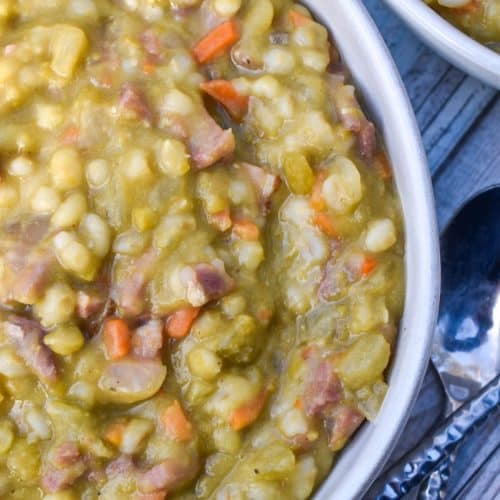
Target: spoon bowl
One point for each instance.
(466, 346)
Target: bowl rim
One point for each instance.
(376, 77)
(454, 45)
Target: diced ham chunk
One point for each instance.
(341, 423)
(66, 454)
(129, 292)
(165, 476)
(265, 183)
(32, 280)
(322, 387)
(54, 480)
(133, 99)
(147, 340)
(206, 282)
(207, 141)
(27, 336)
(64, 468)
(151, 43)
(122, 465)
(89, 303)
(156, 481)
(353, 118)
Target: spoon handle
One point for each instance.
(422, 460)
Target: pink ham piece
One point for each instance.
(206, 282)
(129, 291)
(151, 43)
(31, 281)
(265, 183)
(165, 476)
(206, 140)
(322, 387)
(66, 454)
(65, 467)
(133, 99)
(352, 116)
(147, 340)
(341, 422)
(157, 480)
(89, 303)
(27, 336)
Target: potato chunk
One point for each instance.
(364, 361)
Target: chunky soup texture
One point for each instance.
(201, 251)
(478, 18)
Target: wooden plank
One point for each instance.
(464, 106)
(472, 167)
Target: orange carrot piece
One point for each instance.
(217, 42)
(298, 19)
(248, 412)
(317, 201)
(323, 221)
(368, 266)
(246, 230)
(70, 135)
(176, 423)
(114, 433)
(179, 323)
(221, 220)
(116, 338)
(472, 6)
(148, 67)
(224, 92)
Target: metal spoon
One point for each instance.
(466, 348)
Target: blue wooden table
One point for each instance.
(459, 118)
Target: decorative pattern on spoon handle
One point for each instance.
(420, 462)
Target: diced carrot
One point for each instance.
(224, 92)
(317, 201)
(116, 338)
(176, 423)
(368, 266)
(299, 404)
(148, 67)
(248, 412)
(264, 315)
(217, 42)
(472, 6)
(382, 165)
(114, 433)
(70, 135)
(179, 323)
(323, 221)
(298, 19)
(221, 220)
(246, 230)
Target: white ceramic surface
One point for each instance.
(460, 49)
(376, 78)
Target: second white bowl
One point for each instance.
(460, 49)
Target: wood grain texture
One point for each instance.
(459, 119)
